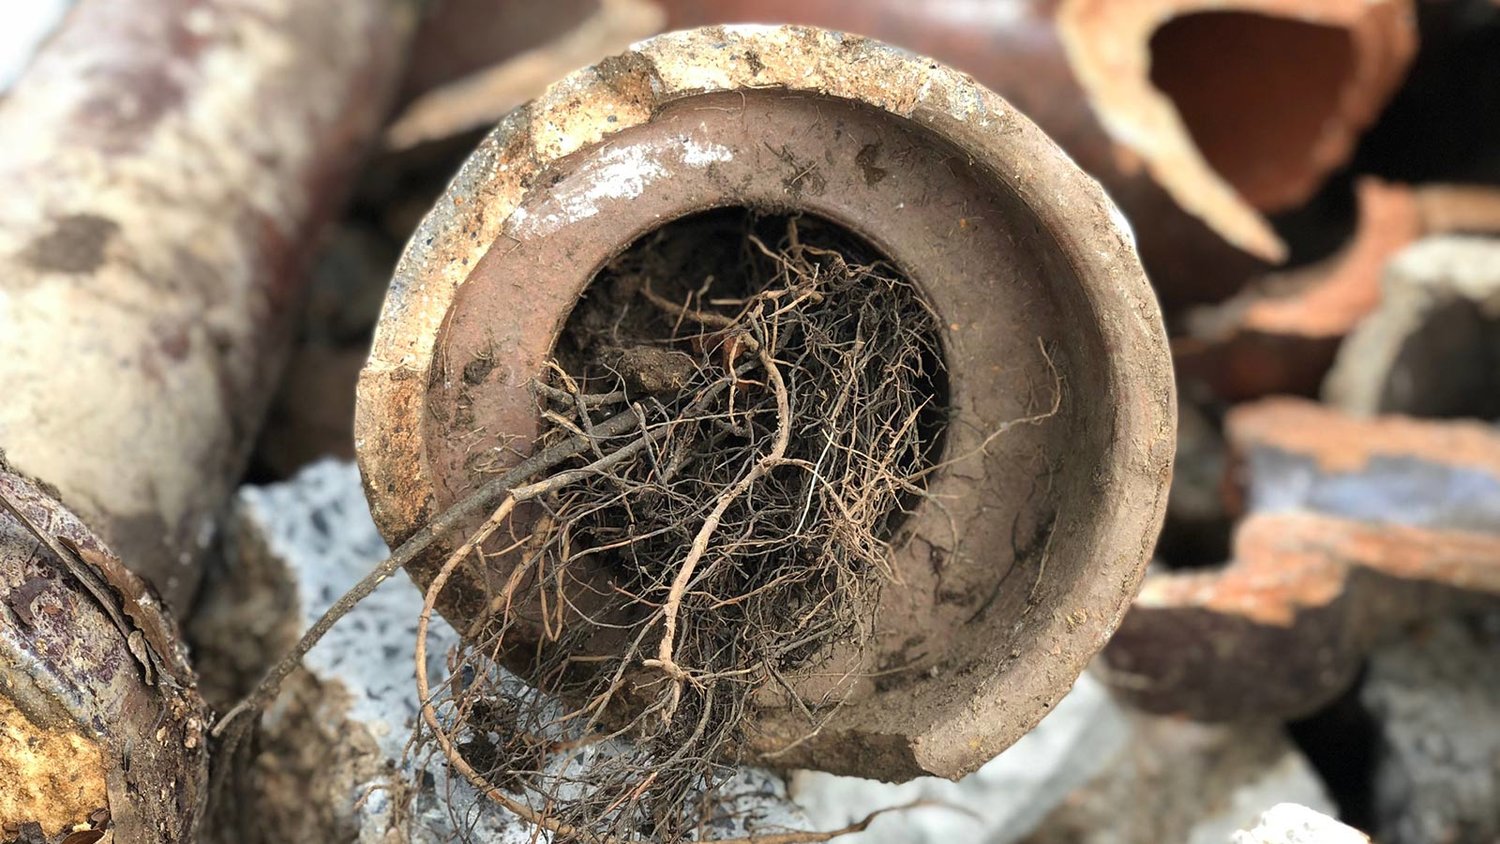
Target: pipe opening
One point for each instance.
(640, 326)
(1257, 94)
(789, 398)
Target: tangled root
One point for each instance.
(783, 397)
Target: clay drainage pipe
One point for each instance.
(1034, 537)
(1198, 116)
(165, 169)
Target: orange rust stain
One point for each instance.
(1287, 563)
(1342, 443)
(51, 775)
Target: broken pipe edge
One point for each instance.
(1109, 45)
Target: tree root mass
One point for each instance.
(658, 587)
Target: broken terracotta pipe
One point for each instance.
(1432, 348)
(844, 128)
(1284, 628)
(1198, 116)
(1243, 108)
(166, 168)
(1281, 333)
(1357, 527)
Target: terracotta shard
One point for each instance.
(1281, 334)
(460, 37)
(1186, 86)
(1355, 527)
(1284, 628)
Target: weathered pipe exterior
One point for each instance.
(82, 727)
(1027, 264)
(164, 167)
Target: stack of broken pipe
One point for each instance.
(1314, 228)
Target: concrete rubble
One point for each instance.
(1289, 823)
(1092, 772)
(1178, 780)
(1001, 801)
(1436, 698)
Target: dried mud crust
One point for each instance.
(303, 775)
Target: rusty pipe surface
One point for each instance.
(165, 167)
